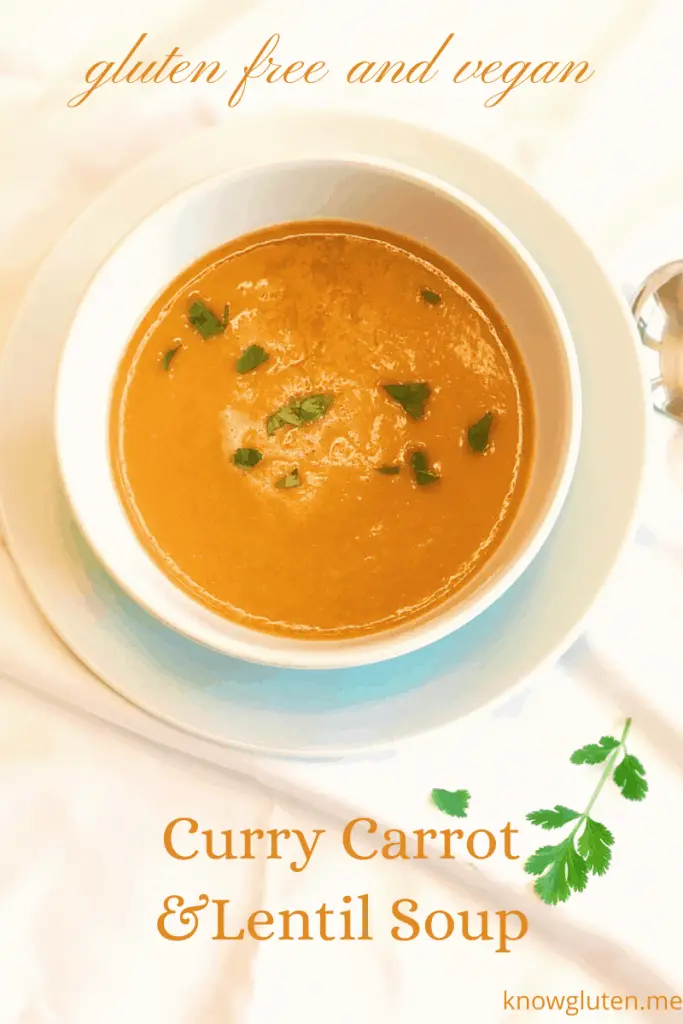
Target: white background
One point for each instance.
(82, 870)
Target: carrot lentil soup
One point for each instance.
(321, 429)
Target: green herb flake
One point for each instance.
(286, 415)
(388, 470)
(291, 480)
(420, 466)
(478, 434)
(205, 320)
(430, 297)
(453, 803)
(587, 849)
(247, 458)
(306, 410)
(252, 357)
(411, 397)
(168, 356)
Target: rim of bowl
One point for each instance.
(384, 645)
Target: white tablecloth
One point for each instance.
(82, 868)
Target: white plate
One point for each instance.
(335, 712)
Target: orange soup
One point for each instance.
(321, 430)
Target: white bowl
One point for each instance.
(222, 208)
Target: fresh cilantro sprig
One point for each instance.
(587, 849)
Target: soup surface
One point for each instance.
(321, 430)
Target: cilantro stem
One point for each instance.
(609, 767)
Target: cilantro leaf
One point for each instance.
(595, 753)
(205, 320)
(306, 410)
(561, 871)
(167, 357)
(542, 858)
(452, 802)
(577, 869)
(430, 297)
(388, 470)
(629, 775)
(594, 846)
(412, 397)
(478, 434)
(420, 466)
(553, 818)
(252, 357)
(247, 457)
(552, 887)
(291, 480)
